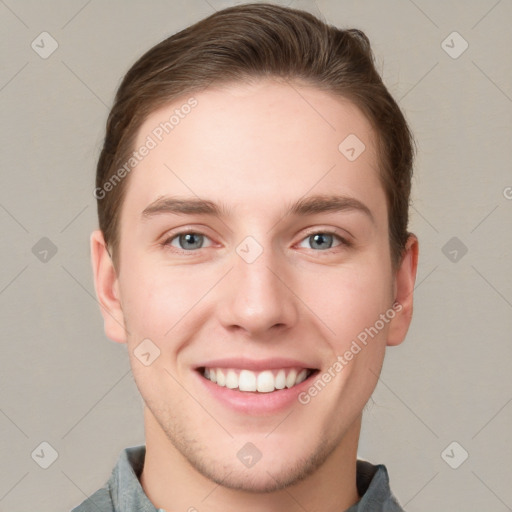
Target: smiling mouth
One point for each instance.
(266, 381)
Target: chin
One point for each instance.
(265, 476)
(258, 481)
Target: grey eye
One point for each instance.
(188, 241)
(321, 241)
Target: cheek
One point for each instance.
(153, 307)
(356, 302)
(160, 301)
(352, 300)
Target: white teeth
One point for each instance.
(221, 378)
(301, 376)
(266, 382)
(291, 378)
(262, 382)
(280, 379)
(247, 381)
(231, 380)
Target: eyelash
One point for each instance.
(343, 241)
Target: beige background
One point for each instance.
(63, 382)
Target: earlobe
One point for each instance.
(106, 285)
(405, 279)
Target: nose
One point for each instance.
(257, 297)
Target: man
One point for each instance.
(253, 254)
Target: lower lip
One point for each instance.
(253, 403)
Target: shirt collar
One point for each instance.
(125, 489)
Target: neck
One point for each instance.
(173, 484)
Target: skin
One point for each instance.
(256, 148)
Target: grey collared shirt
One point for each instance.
(123, 492)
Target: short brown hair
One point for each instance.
(258, 41)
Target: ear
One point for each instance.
(404, 280)
(107, 289)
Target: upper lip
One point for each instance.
(255, 364)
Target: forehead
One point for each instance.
(267, 143)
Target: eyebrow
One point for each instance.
(310, 205)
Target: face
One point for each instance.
(254, 255)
